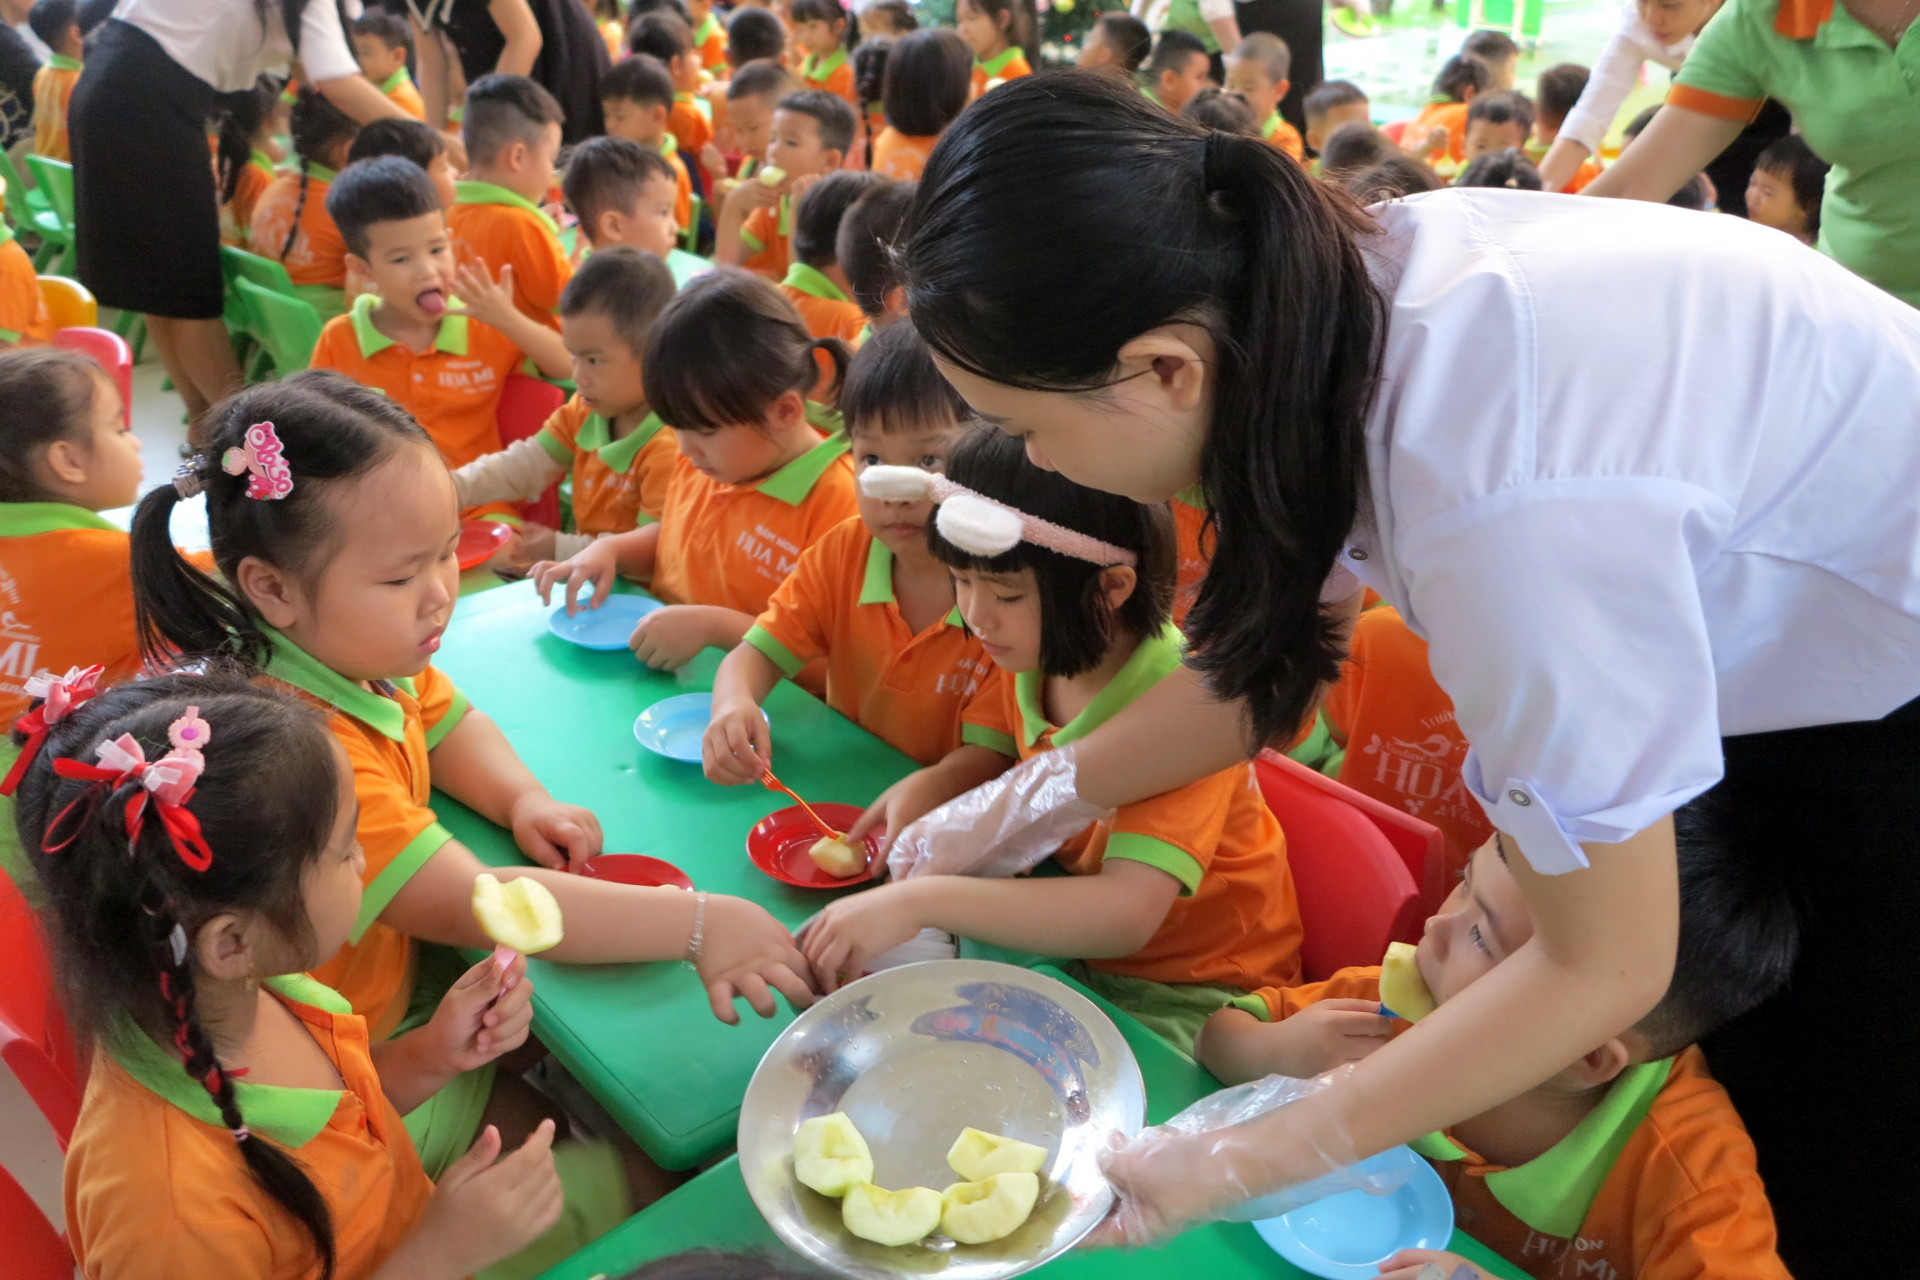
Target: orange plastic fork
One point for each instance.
(774, 784)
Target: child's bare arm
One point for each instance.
(737, 748)
(1237, 1046)
(491, 302)
(728, 249)
(627, 555)
(476, 765)
(667, 639)
(924, 790)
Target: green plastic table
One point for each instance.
(715, 1212)
(641, 1037)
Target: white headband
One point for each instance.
(978, 524)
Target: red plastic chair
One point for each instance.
(34, 1040)
(34, 1250)
(525, 405)
(110, 350)
(1356, 894)
(1421, 845)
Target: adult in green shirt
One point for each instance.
(1849, 71)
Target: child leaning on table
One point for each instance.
(1177, 905)
(1632, 1161)
(871, 599)
(728, 366)
(334, 526)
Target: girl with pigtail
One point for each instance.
(195, 837)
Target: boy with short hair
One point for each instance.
(410, 140)
(444, 367)
(1786, 188)
(1118, 44)
(811, 132)
(382, 44)
(864, 250)
(1497, 121)
(666, 37)
(1498, 52)
(1332, 104)
(57, 24)
(1439, 132)
(1178, 69)
(606, 436)
(1559, 90)
(709, 36)
(637, 97)
(1258, 68)
(1632, 1161)
(753, 35)
(752, 95)
(624, 194)
(512, 132)
(814, 283)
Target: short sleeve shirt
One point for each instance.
(832, 73)
(24, 317)
(924, 694)
(1196, 552)
(617, 484)
(766, 234)
(1010, 64)
(899, 156)
(236, 216)
(66, 597)
(52, 88)
(387, 733)
(823, 307)
(499, 227)
(316, 254)
(404, 94)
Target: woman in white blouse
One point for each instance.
(147, 215)
(1644, 480)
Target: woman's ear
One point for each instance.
(1116, 584)
(1172, 362)
(271, 591)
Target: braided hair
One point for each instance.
(121, 910)
(315, 125)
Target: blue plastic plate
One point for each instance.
(1347, 1236)
(608, 627)
(673, 727)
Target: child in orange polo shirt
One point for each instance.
(382, 45)
(290, 222)
(864, 249)
(814, 282)
(57, 24)
(709, 37)
(512, 133)
(636, 98)
(928, 83)
(244, 158)
(745, 126)
(1557, 94)
(1497, 120)
(995, 30)
(624, 194)
(663, 35)
(446, 368)
(871, 599)
(1259, 69)
(810, 136)
(620, 454)
(728, 367)
(1177, 905)
(178, 1166)
(820, 28)
(1631, 1162)
(422, 145)
(25, 320)
(1438, 134)
(344, 517)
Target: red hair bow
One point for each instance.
(59, 696)
(169, 781)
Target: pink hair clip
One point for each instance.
(59, 695)
(263, 455)
(978, 524)
(170, 781)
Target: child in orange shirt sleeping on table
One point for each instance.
(728, 366)
(814, 283)
(512, 133)
(290, 222)
(1632, 1161)
(1175, 906)
(810, 136)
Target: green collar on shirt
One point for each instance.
(1151, 663)
(319, 173)
(792, 483)
(61, 62)
(813, 283)
(1151, 96)
(489, 193)
(1194, 495)
(263, 162)
(877, 587)
(996, 65)
(708, 29)
(1553, 1192)
(596, 434)
(1270, 126)
(290, 1117)
(24, 519)
(452, 338)
(820, 68)
(394, 81)
(295, 666)
(669, 146)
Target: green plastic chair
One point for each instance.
(286, 327)
(28, 210)
(243, 321)
(54, 180)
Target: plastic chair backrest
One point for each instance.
(238, 264)
(22, 200)
(70, 303)
(35, 1251)
(1395, 130)
(55, 177)
(110, 351)
(34, 1040)
(1354, 891)
(525, 405)
(1421, 845)
(289, 328)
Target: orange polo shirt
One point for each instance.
(833, 73)
(766, 234)
(691, 127)
(402, 93)
(1236, 921)
(1404, 746)
(1586, 173)
(1009, 65)
(24, 318)
(731, 545)
(155, 1187)
(317, 254)
(617, 484)
(387, 736)
(826, 311)
(236, 216)
(52, 90)
(925, 694)
(66, 597)
(682, 182)
(1284, 136)
(899, 156)
(1451, 116)
(1196, 551)
(710, 39)
(494, 225)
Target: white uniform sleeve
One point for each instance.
(520, 472)
(1565, 622)
(325, 52)
(1607, 87)
(1215, 10)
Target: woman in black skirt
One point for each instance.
(553, 42)
(148, 220)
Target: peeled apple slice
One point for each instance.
(1402, 990)
(520, 914)
(830, 1156)
(979, 1212)
(977, 1155)
(891, 1217)
(837, 858)
(772, 176)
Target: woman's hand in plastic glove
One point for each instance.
(1164, 1182)
(1002, 827)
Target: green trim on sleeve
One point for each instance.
(778, 654)
(389, 882)
(977, 735)
(752, 241)
(556, 448)
(1156, 853)
(456, 712)
(1254, 1003)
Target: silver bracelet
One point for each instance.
(697, 942)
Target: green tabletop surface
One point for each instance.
(641, 1037)
(715, 1211)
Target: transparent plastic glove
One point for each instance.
(1002, 827)
(1220, 1161)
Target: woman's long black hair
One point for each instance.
(1166, 222)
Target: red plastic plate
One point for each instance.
(779, 842)
(636, 868)
(479, 539)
